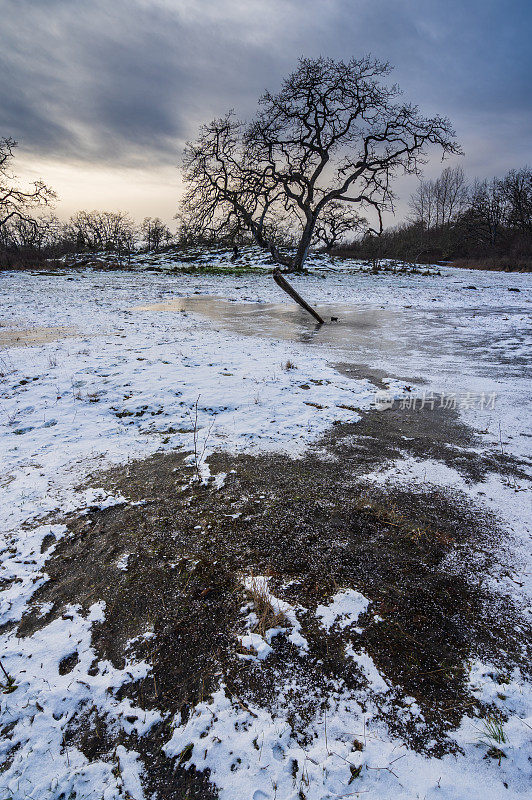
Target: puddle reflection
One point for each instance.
(22, 337)
(353, 330)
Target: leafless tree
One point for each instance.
(452, 196)
(335, 222)
(488, 210)
(227, 192)
(438, 203)
(37, 233)
(102, 230)
(15, 203)
(188, 233)
(423, 205)
(155, 233)
(333, 133)
(516, 189)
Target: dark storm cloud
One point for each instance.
(126, 81)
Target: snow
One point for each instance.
(256, 643)
(99, 499)
(111, 381)
(45, 701)
(343, 610)
(130, 770)
(366, 664)
(260, 583)
(251, 754)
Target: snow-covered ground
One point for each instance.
(100, 367)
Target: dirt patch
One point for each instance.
(378, 377)
(166, 778)
(422, 433)
(172, 566)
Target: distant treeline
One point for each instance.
(486, 224)
(24, 241)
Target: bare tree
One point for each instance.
(423, 205)
(516, 189)
(155, 233)
(438, 203)
(451, 196)
(333, 133)
(15, 203)
(38, 233)
(488, 210)
(227, 191)
(188, 233)
(102, 230)
(335, 222)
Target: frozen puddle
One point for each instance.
(399, 337)
(22, 337)
(354, 328)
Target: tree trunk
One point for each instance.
(285, 286)
(304, 245)
(294, 264)
(257, 233)
(285, 261)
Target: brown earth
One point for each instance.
(423, 556)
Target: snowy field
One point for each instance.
(97, 368)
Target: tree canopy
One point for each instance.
(15, 203)
(335, 132)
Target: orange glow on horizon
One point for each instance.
(141, 192)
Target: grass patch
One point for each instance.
(492, 736)
(212, 269)
(267, 615)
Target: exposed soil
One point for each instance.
(377, 377)
(422, 556)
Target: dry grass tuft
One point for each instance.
(267, 615)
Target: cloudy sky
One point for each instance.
(101, 94)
